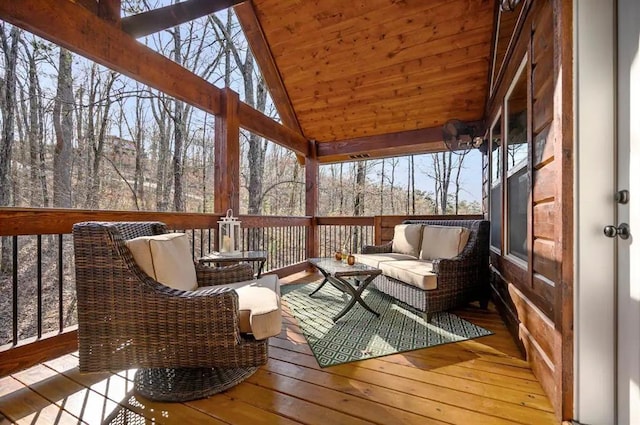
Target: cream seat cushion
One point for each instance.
(374, 260)
(418, 273)
(259, 305)
(166, 258)
(443, 241)
(406, 239)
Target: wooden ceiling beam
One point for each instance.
(257, 122)
(426, 140)
(155, 20)
(81, 31)
(257, 41)
(91, 5)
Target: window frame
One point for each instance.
(521, 71)
(498, 183)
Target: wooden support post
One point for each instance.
(311, 202)
(227, 155)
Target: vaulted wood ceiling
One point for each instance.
(352, 71)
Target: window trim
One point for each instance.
(521, 70)
(498, 182)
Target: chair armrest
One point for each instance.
(211, 315)
(377, 249)
(210, 276)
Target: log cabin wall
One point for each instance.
(533, 292)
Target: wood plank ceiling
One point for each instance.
(357, 70)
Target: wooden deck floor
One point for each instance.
(483, 381)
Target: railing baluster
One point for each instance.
(193, 242)
(39, 284)
(14, 270)
(60, 281)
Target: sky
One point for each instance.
(471, 176)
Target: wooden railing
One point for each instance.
(42, 267)
(338, 233)
(37, 309)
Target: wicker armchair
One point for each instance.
(461, 279)
(186, 344)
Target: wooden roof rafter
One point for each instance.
(411, 142)
(155, 20)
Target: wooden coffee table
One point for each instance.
(352, 280)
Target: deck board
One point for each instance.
(481, 381)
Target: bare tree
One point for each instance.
(63, 124)
(38, 192)
(163, 183)
(458, 181)
(443, 164)
(99, 142)
(7, 107)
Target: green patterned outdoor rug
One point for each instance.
(359, 334)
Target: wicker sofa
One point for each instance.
(425, 267)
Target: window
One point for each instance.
(516, 162)
(495, 196)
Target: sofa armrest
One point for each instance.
(465, 263)
(377, 249)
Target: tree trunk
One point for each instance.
(413, 185)
(442, 167)
(163, 186)
(34, 134)
(138, 182)
(457, 180)
(178, 135)
(63, 124)
(358, 204)
(89, 140)
(178, 132)
(382, 176)
(98, 146)
(394, 164)
(7, 107)
(257, 152)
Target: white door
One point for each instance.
(628, 286)
(594, 208)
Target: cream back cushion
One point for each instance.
(166, 258)
(406, 239)
(443, 241)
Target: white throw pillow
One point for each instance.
(406, 239)
(166, 258)
(442, 241)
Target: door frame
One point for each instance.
(594, 254)
(628, 163)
